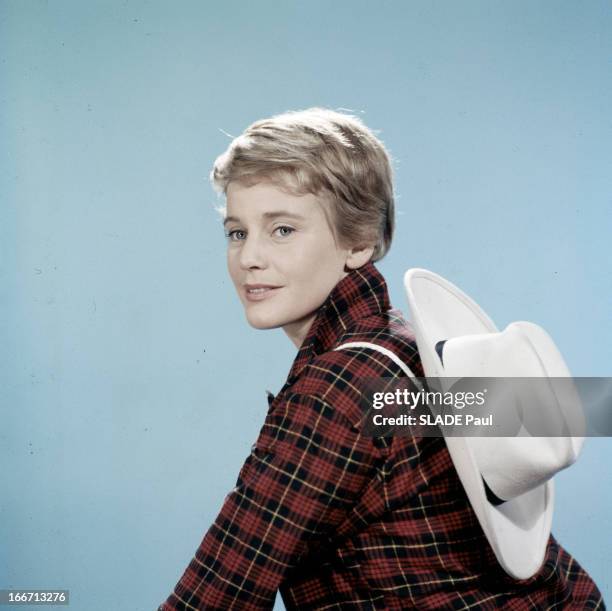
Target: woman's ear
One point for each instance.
(358, 256)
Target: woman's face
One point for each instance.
(281, 256)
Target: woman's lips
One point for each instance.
(261, 293)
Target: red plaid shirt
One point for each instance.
(338, 520)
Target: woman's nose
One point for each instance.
(252, 253)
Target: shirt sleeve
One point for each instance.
(304, 473)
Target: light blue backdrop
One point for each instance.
(131, 385)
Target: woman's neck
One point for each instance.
(298, 330)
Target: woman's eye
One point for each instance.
(236, 235)
(284, 231)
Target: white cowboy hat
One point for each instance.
(456, 339)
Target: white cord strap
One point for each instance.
(382, 350)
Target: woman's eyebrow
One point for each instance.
(268, 215)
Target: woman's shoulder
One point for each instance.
(340, 375)
(390, 331)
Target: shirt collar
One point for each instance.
(361, 293)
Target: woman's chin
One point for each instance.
(262, 322)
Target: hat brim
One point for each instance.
(518, 529)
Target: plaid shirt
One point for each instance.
(338, 520)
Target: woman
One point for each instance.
(330, 517)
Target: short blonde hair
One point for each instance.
(326, 153)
